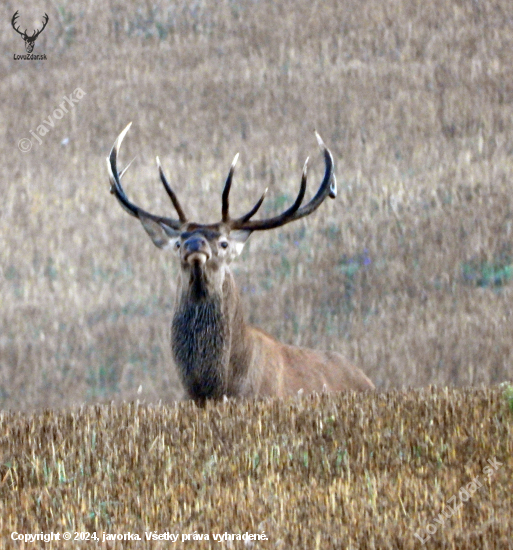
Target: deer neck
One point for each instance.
(208, 325)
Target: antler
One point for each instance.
(13, 21)
(328, 187)
(36, 32)
(225, 202)
(296, 211)
(119, 193)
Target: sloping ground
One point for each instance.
(376, 470)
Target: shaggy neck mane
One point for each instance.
(199, 336)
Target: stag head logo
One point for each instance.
(29, 40)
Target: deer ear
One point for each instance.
(162, 235)
(239, 238)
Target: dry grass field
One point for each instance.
(409, 272)
(347, 471)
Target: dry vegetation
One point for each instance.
(408, 273)
(359, 471)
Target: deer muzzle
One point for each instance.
(196, 248)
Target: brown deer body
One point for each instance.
(217, 354)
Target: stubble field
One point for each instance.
(408, 272)
(398, 470)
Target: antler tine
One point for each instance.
(13, 22)
(253, 211)
(114, 177)
(297, 203)
(45, 21)
(296, 211)
(333, 183)
(301, 195)
(225, 208)
(171, 193)
(126, 168)
(119, 193)
(226, 203)
(333, 187)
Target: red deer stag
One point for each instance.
(217, 354)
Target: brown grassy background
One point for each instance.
(352, 471)
(407, 272)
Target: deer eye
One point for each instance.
(224, 244)
(177, 245)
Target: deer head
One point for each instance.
(215, 351)
(29, 40)
(209, 248)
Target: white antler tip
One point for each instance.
(305, 165)
(127, 127)
(333, 187)
(235, 159)
(121, 137)
(319, 140)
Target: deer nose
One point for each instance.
(196, 248)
